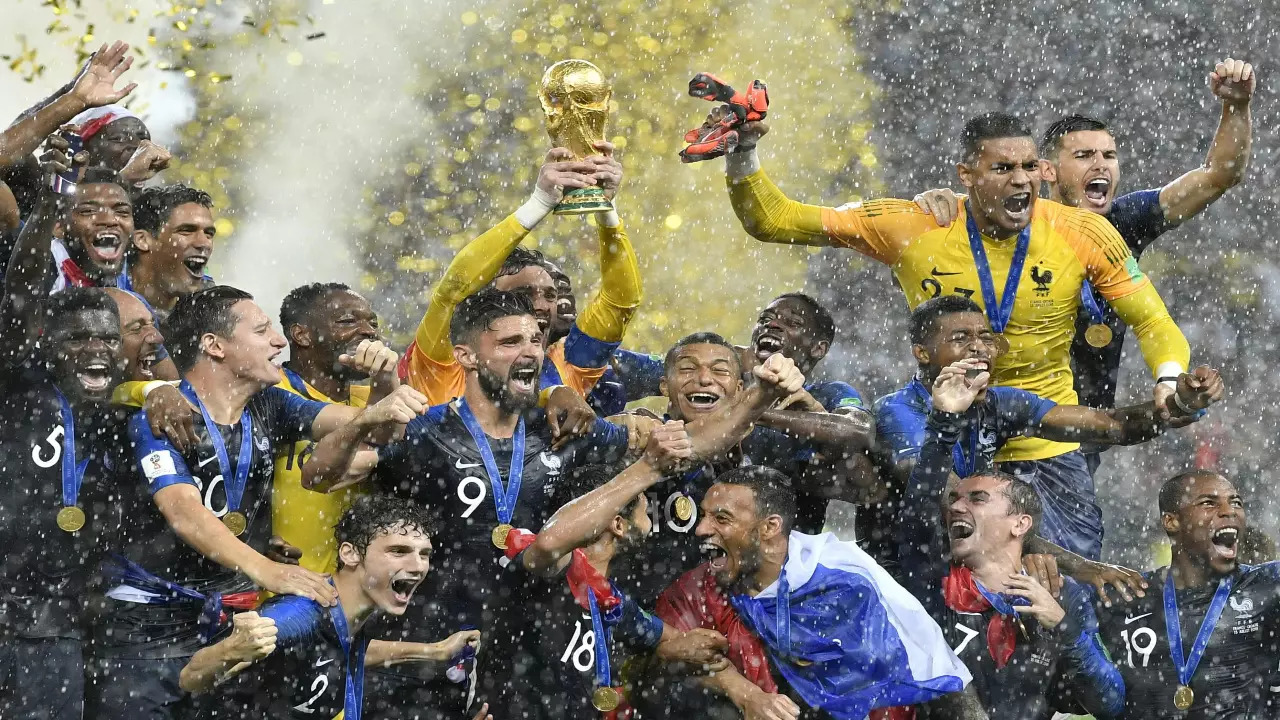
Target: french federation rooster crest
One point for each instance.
(1041, 278)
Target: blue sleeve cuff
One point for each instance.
(584, 351)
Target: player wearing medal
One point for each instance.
(333, 333)
(1036, 253)
(1202, 644)
(561, 628)
(487, 463)
(192, 542)
(952, 333)
(579, 360)
(984, 600)
(295, 658)
(1081, 167)
(59, 444)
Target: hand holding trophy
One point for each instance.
(575, 98)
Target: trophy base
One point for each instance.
(581, 201)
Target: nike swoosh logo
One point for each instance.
(322, 663)
(1128, 620)
(939, 273)
(206, 461)
(463, 466)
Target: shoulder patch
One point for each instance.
(1131, 266)
(157, 464)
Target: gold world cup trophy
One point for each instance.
(575, 98)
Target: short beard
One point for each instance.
(497, 390)
(631, 539)
(749, 563)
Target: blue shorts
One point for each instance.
(41, 678)
(1072, 518)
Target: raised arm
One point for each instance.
(713, 435)
(1137, 423)
(94, 87)
(830, 432)
(252, 638)
(337, 450)
(478, 262)
(606, 316)
(1233, 82)
(383, 653)
(578, 524)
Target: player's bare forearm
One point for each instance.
(853, 478)
(575, 525)
(333, 456)
(831, 432)
(1121, 426)
(10, 215)
(383, 653)
(185, 512)
(731, 684)
(208, 667)
(1223, 168)
(22, 138)
(715, 434)
(29, 275)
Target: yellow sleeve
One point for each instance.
(1109, 265)
(1158, 335)
(580, 379)
(472, 268)
(610, 310)
(133, 393)
(879, 229)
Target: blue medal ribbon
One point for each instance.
(998, 314)
(1173, 626)
(353, 700)
(964, 466)
(783, 627)
(1090, 304)
(234, 484)
(604, 678)
(504, 499)
(72, 471)
(998, 602)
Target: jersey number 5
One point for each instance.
(55, 443)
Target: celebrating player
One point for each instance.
(60, 440)
(141, 343)
(578, 362)
(1204, 646)
(1020, 669)
(172, 242)
(297, 657)
(561, 627)
(194, 540)
(1009, 233)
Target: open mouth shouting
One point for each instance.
(524, 379)
(147, 363)
(702, 401)
(94, 377)
(106, 247)
(768, 345)
(977, 366)
(1225, 542)
(195, 265)
(402, 588)
(717, 557)
(1097, 192)
(1018, 206)
(960, 529)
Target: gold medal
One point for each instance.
(684, 508)
(1002, 344)
(236, 522)
(605, 699)
(70, 518)
(1183, 697)
(1098, 335)
(499, 536)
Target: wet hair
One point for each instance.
(59, 307)
(96, 175)
(702, 338)
(521, 258)
(583, 479)
(478, 312)
(823, 324)
(773, 492)
(1174, 489)
(1022, 496)
(203, 311)
(153, 205)
(301, 302)
(990, 126)
(927, 316)
(373, 515)
(1051, 143)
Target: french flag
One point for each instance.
(849, 639)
